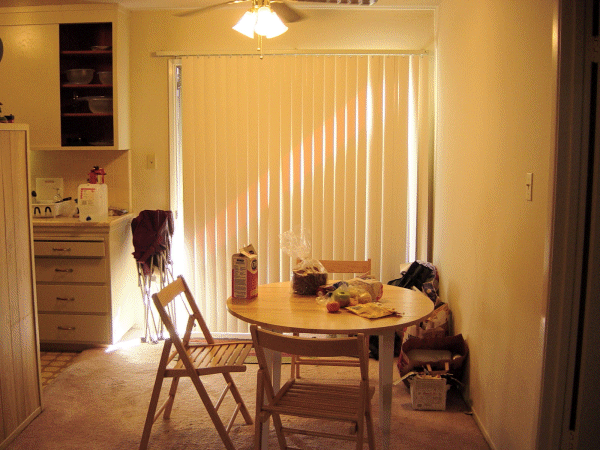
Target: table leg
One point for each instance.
(274, 364)
(386, 375)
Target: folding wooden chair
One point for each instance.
(182, 357)
(320, 401)
(340, 267)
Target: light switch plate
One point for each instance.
(529, 186)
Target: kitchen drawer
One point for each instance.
(71, 270)
(73, 298)
(74, 328)
(74, 249)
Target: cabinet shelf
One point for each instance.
(86, 86)
(87, 114)
(86, 52)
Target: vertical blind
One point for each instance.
(327, 143)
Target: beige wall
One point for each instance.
(496, 96)
(152, 31)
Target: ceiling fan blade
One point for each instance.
(341, 2)
(286, 12)
(208, 8)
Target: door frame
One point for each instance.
(571, 357)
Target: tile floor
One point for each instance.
(53, 363)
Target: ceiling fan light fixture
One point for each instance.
(247, 24)
(268, 23)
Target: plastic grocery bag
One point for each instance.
(309, 274)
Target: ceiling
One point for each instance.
(129, 4)
(192, 4)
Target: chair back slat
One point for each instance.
(346, 346)
(334, 266)
(175, 290)
(170, 292)
(308, 346)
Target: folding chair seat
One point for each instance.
(311, 400)
(341, 267)
(183, 357)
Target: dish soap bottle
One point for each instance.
(92, 197)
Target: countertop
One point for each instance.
(76, 223)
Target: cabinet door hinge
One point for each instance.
(595, 48)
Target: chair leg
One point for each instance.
(360, 434)
(238, 398)
(258, 422)
(370, 430)
(171, 399)
(279, 432)
(212, 412)
(160, 376)
(294, 366)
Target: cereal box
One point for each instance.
(244, 273)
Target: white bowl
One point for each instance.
(100, 104)
(105, 77)
(80, 76)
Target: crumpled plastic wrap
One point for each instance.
(356, 285)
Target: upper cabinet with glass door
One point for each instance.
(74, 93)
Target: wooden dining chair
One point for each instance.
(332, 267)
(184, 357)
(311, 400)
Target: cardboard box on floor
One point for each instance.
(428, 393)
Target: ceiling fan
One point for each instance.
(283, 8)
(263, 17)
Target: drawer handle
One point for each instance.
(65, 299)
(66, 328)
(64, 270)
(55, 249)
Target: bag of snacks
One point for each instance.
(309, 274)
(373, 310)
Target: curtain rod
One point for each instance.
(181, 54)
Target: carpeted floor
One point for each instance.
(99, 402)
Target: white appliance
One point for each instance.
(48, 200)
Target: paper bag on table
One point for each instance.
(373, 310)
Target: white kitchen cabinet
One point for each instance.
(20, 388)
(86, 281)
(29, 74)
(39, 44)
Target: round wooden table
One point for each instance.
(277, 308)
